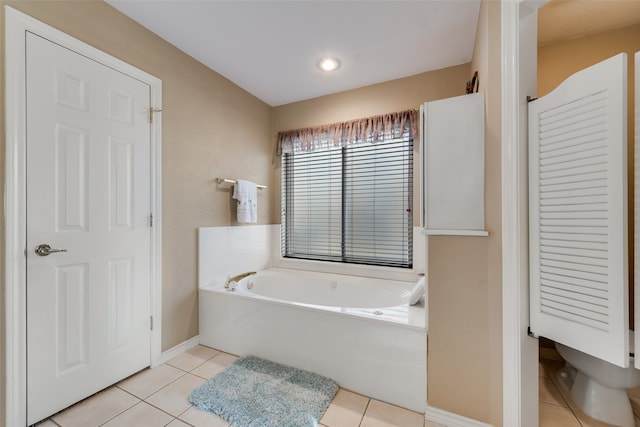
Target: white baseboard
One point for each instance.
(178, 349)
(442, 418)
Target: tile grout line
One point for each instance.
(160, 389)
(564, 399)
(557, 388)
(183, 412)
(128, 392)
(163, 387)
(366, 408)
(120, 413)
(566, 402)
(181, 420)
(187, 352)
(91, 397)
(162, 410)
(184, 373)
(573, 412)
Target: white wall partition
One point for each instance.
(226, 251)
(453, 166)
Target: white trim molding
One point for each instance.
(16, 25)
(179, 349)
(511, 268)
(15, 225)
(519, 351)
(440, 417)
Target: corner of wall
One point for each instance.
(462, 292)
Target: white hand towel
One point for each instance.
(246, 193)
(418, 291)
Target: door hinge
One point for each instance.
(530, 99)
(151, 111)
(151, 322)
(150, 220)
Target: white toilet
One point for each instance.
(598, 387)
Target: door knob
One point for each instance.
(44, 250)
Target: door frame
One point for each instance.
(519, 20)
(16, 24)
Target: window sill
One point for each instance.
(389, 273)
(442, 232)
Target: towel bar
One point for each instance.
(233, 181)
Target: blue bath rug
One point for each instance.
(253, 392)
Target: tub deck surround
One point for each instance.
(356, 329)
(380, 355)
(224, 252)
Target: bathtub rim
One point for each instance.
(409, 316)
(356, 288)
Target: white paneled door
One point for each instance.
(88, 195)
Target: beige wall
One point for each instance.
(465, 282)
(211, 128)
(388, 97)
(558, 61)
(465, 288)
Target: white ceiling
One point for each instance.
(270, 48)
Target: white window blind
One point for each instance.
(350, 204)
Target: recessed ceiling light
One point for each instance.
(329, 64)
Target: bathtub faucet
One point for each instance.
(237, 278)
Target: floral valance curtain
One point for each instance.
(370, 129)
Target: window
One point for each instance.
(350, 203)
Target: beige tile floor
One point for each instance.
(158, 397)
(556, 407)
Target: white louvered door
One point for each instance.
(578, 212)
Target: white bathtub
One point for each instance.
(358, 331)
